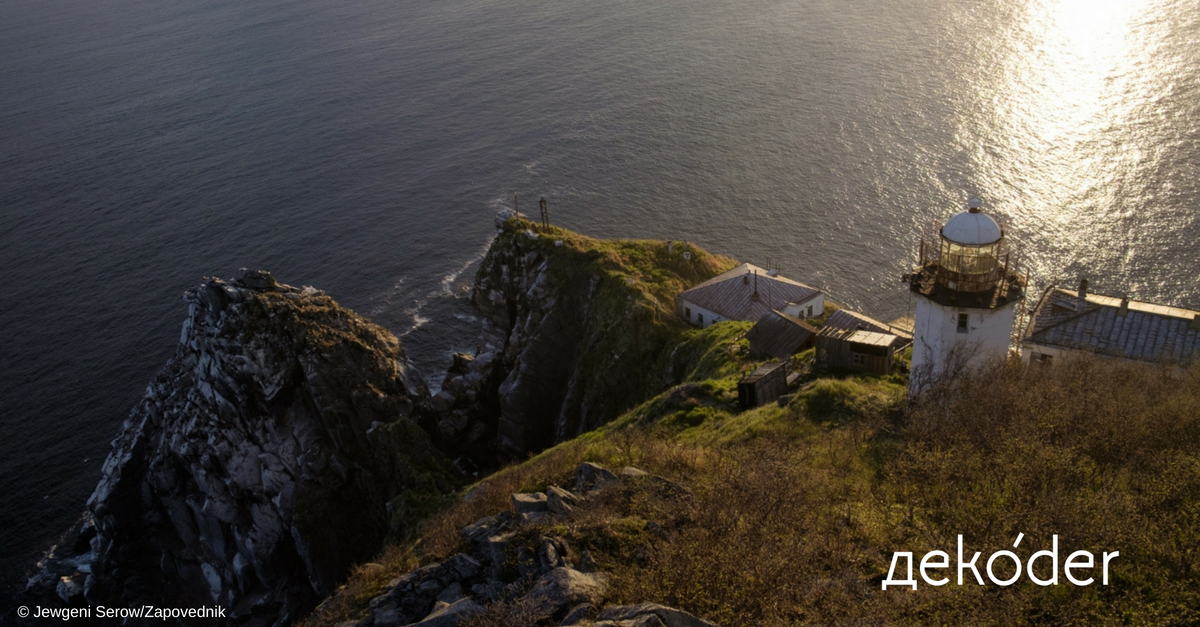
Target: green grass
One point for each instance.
(796, 509)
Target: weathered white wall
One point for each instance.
(940, 349)
(1030, 352)
(709, 316)
(800, 309)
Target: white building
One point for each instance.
(1067, 321)
(748, 292)
(966, 297)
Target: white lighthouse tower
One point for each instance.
(967, 289)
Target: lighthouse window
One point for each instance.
(962, 322)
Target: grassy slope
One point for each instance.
(797, 508)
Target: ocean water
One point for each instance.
(363, 146)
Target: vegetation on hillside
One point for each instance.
(595, 322)
(796, 509)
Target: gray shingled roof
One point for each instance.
(779, 335)
(1147, 331)
(846, 320)
(731, 294)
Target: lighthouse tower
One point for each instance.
(967, 289)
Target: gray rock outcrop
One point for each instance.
(515, 566)
(261, 462)
(568, 342)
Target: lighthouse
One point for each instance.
(967, 288)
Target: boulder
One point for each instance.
(561, 501)
(479, 531)
(562, 588)
(529, 518)
(645, 620)
(529, 502)
(669, 616)
(551, 554)
(589, 476)
(70, 589)
(578, 614)
(450, 614)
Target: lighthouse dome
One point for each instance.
(972, 228)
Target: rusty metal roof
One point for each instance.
(779, 335)
(1146, 331)
(732, 294)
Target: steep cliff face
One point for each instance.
(575, 332)
(262, 461)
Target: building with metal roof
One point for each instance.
(778, 336)
(748, 292)
(847, 320)
(1065, 321)
(857, 349)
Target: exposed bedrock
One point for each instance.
(263, 460)
(569, 342)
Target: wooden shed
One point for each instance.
(767, 383)
(857, 349)
(778, 336)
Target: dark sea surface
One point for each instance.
(363, 147)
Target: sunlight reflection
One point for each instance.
(1065, 95)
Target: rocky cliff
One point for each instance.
(278, 447)
(288, 437)
(576, 331)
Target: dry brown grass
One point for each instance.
(791, 521)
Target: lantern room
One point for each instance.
(970, 255)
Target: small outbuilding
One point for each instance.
(853, 321)
(767, 383)
(779, 336)
(856, 349)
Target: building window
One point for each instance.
(963, 319)
(859, 359)
(700, 319)
(1044, 359)
(809, 311)
(688, 312)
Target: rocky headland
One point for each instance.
(288, 437)
(575, 332)
(277, 447)
(290, 466)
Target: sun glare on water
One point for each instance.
(1065, 106)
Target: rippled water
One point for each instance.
(362, 146)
